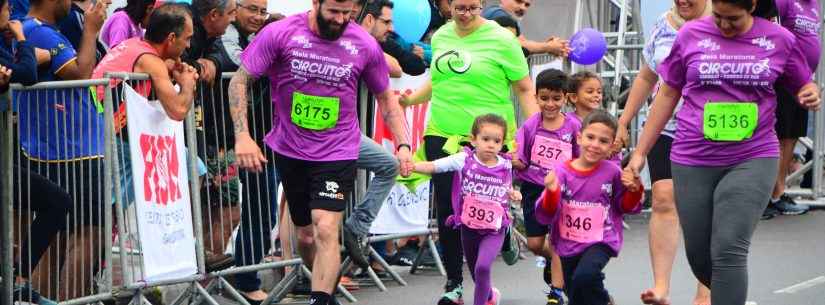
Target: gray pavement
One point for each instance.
(787, 267)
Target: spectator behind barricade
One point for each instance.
(17, 54)
(72, 26)
(377, 22)
(127, 22)
(222, 190)
(439, 15)
(169, 31)
(517, 9)
(61, 135)
(511, 24)
(50, 203)
(251, 17)
(211, 18)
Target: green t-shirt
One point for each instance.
(471, 76)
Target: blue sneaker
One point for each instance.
(787, 206)
(25, 293)
(555, 296)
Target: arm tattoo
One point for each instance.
(238, 100)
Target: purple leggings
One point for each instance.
(481, 250)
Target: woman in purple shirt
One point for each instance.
(724, 67)
(126, 22)
(664, 222)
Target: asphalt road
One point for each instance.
(787, 267)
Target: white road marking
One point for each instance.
(802, 286)
(750, 303)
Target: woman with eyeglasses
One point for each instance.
(127, 22)
(475, 64)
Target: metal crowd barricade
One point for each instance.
(54, 140)
(239, 206)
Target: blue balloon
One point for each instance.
(588, 46)
(411, 18)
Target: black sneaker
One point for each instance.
(302, 287)
(453, 294)
(406, 255)
(770, 212)
(355, 247)
(787, 206)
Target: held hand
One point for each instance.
(514, 195)
(403, 100)
(631, 182)
(809, 97)
(550, 181)
(634, 166)
(247, 154)
(405, 163)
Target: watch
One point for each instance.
(403, 145)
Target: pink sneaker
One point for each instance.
(495, 298)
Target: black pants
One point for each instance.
(443, 188)
(252, 241)
(583, 276)
(50, 205)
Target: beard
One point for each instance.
(325, 28)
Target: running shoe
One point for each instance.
(495, 298)
(510, 251)
(787, 206)
(770, 211)
(453, 293)
(25, 293)
(555, 296)
(355, 246)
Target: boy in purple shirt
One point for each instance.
(546, 138)
(315, 62)
(725, 68)
(584, 202)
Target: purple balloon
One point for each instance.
(588, 46)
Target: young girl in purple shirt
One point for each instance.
(482, 188)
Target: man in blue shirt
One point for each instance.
(61, 134)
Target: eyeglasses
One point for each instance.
(260, 11)
(472, 10)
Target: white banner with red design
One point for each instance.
(404, 210)
(161, 190)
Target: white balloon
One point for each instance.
(289, 7)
